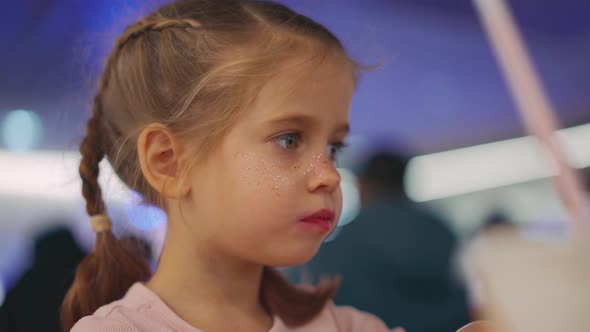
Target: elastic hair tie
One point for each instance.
(100, 223)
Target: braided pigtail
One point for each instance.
(105, 274)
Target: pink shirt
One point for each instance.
(143, 310)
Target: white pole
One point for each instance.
(534, 106)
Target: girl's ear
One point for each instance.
(159, 157)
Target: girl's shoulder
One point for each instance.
(138, 310)
(102, 324)
(119, 316)
(111, 317)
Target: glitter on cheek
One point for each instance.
(251, 168)
(280, 179)
(262, 174)
(312, 164)
(308, 169)
(279, 183)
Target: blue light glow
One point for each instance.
(142, 216)
(351, 203)
(21, 130)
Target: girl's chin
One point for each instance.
(294, 258)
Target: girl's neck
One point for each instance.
(205, 289)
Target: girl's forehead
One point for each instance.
(302, 86)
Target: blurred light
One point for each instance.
(53, 175)
(576, 141)
(142, 216)
(21, 130)
(351, 203)
(487, 166)
(332, 236)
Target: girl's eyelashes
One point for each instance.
(289, 141)
(335, 149)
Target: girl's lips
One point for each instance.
(321, 220)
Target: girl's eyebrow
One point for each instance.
(306, 120)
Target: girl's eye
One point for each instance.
(289, 141)
(334, 149)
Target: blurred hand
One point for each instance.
(398, 329)
(532, 286)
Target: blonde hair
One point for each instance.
(192, 65)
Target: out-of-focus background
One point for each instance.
(438, 98)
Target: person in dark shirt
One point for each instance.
(33, 304)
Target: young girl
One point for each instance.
(228, 115)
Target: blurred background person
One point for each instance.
(395, 258)
(33, 304)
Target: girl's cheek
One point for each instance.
(264, 171)
(280, 184)
(286, 159)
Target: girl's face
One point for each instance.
(275, 168)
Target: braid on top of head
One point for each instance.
(105, 274)
(91, 147)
